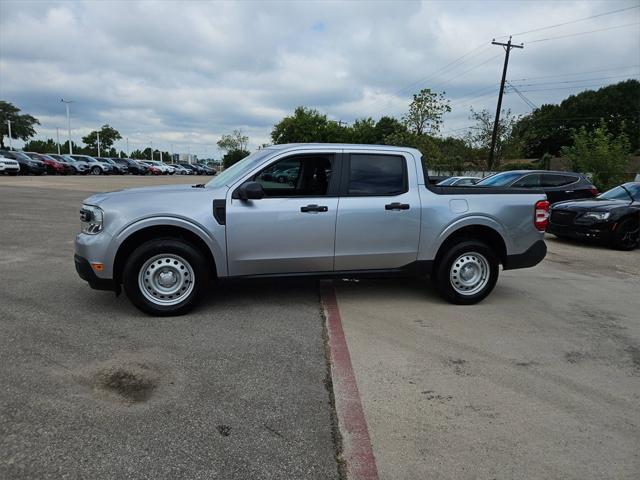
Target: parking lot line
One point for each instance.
(356, 443)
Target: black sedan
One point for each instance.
(136, 168)
(612, 217)
(558, 186)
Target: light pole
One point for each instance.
(128, 152)
(151, 150)
(10, 144)
(98, 137)
(66, 103)
(58, 139)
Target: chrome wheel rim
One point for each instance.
(469, 273)
(166, 279)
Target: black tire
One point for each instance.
(194, 259)
(627, 235)
(95, 171)
(475, 253)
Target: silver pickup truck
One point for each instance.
(324, 210)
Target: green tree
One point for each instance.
(233, 156)
(550, 127)
(42, 146)
(600, 153)
(22, 126)
(364, 131)
(108, 136)
(308, 125)
(386, 127)
(426, 111)
(480, 135)
(234, 146)
(234, 141)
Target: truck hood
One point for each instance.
(159, 195)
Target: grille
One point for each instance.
(562, 217)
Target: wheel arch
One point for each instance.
(136, 238)
(483, 233)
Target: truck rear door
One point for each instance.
(378, 223)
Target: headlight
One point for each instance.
(597, 216)
(91, 219)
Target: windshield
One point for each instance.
(619, 193)
(237, 170)
(499, 179)
(447, 181)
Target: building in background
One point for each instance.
(184, 157)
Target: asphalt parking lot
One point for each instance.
(92, 388)
(541, 380)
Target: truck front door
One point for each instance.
(291, 229)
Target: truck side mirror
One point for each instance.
(250, 191)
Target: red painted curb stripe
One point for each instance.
(357, 451)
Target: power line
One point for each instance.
(529, 103)
(583, 33)
(570, 81)
(577, 73)
(611, 12)
(458, 75)
(448, 67)
(564, 88)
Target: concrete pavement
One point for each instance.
(541, 380)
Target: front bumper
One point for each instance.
(83, 267)
(596, 231)
(530, 258)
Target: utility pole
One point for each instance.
(58, 139)
(10, 144)
(66, 103)
(128, 152)
(151, 150)
(507, 49)
(98, 137)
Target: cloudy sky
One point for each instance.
(183, 73)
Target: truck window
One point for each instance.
(374, 175)
(299, 176)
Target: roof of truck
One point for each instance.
(358, 146)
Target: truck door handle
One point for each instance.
(396, 206)
(314, 208)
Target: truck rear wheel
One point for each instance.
(466, 273)
(165, 277)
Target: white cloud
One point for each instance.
(187, 72)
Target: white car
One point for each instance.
(180, 170)
(9, 166)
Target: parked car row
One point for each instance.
(577, 209)
(31, 163)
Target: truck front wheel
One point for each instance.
(165, 277)
(466, 273)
